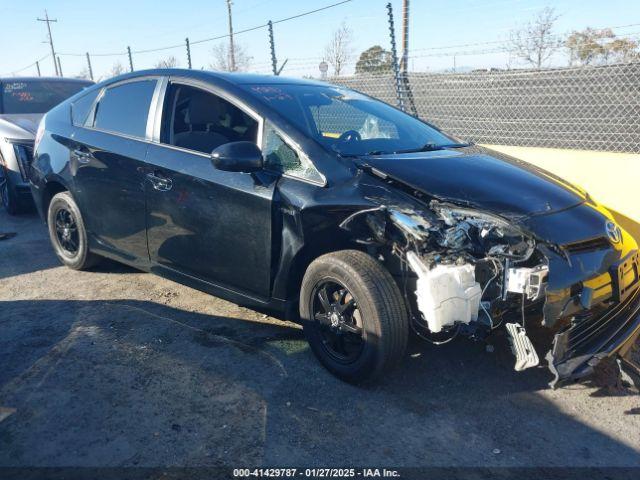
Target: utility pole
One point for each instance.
(394, 58)
(60, 67)
(53, 50)
(130, 59)
(188, 52)
(272, 45)
(89, 65)
(405, 37)
(232, 53)
(38, 67)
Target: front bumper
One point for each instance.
(581, 345)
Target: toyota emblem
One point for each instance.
(613, 232)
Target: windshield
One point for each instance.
(35, 96)
(350, 123)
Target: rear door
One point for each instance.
(202, 222)
(107, 162)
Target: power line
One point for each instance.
(310, 12)
(497, 49)
(115, 54)
(211, 39)
(497, 42)
(27, 67)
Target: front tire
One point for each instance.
(353, 315)
(8, 195)
(67, 233)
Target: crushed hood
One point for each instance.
(480, 178)
(19, 125)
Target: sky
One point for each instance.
(438, 29)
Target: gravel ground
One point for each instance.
(114, 367)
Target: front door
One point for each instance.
(203, 222)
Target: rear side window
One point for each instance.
(125, 108)
(81, 107)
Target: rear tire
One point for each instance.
(378, 313)
(67, 233)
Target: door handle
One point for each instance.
(82, 156)
(160, 182)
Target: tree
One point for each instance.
(535, 41)
(221, 58)
(169, 62)
(374, 60)
(116, 69)
(623, 50)
(592, 46)
(83, 74)
(339, 50)
(587, 46)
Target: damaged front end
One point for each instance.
(469, 272)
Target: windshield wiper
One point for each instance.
(432, 147)
(429, 147)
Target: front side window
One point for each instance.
(348, 122)
(282, 158)
(36, 96)
(201, 121)
(125, 108)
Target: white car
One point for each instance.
(23, 102)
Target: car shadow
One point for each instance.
(137, 383)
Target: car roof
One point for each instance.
(45, 79)
(235, 78)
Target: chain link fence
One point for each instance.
(589, 108)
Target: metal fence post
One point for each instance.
(38, 68)
(130, 59)
(394, 58)
(272, 45)
(89, 65)
(188, 52)
(60, 67)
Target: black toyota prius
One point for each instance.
(336, 210)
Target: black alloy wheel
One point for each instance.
(353, 315)
(67, 231)
(335, 309)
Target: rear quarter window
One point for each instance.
(125, 108)
(82, 106)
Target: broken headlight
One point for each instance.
(481, 234)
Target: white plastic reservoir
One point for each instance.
(446, 294)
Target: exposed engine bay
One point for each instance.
(468, 272)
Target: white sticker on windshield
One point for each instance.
(14, 86)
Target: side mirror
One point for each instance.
(238, 157)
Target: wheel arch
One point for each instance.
(306, 255)
(52, 187)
